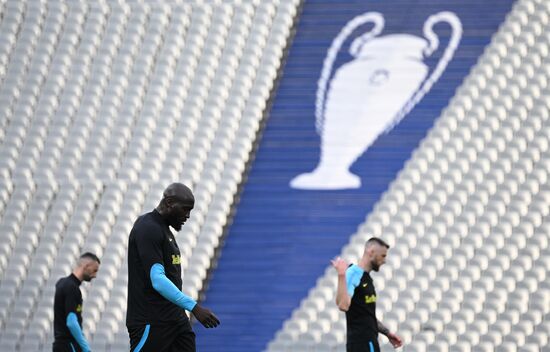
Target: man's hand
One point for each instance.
(205, 316)
(340, 265)
(394, 340)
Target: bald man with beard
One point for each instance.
(156, 317)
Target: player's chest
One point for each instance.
(366, 291)
(171, 250)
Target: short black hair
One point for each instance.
(91, 256)
(378, 241)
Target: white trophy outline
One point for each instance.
(323, 177)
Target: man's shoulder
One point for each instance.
(146, 224)
(144, 218)
(355, 269)
(65, 284)
(65, 280)
(146, 221)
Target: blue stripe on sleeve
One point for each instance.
(168, 290)
(76, 331)
(353, 277)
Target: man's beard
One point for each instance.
(374, 266)
(175, 222)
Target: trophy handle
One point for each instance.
(433, 43)
(374, 17)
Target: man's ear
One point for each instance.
(370, 251)
(169, 202)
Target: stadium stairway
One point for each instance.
(282, 238)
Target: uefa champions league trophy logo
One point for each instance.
(371, 94)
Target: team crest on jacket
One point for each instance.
(176, 259)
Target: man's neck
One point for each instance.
(78, 275)
(364, 264)
(163, 212)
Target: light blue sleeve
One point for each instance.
(353, 277)
(168, 290)
(76, 331)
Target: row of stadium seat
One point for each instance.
(103, 105)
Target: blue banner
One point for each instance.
(363, 83)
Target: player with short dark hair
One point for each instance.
(67, 307)
(156, 318)
(357, 297)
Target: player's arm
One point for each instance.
(71, 304)
(149, 242)
(394, 339)
(168, 290)
(150, 251)
(76, 331)
(348, 279)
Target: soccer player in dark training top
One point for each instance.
(357, 297)
(67, 306)
(156, 318)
